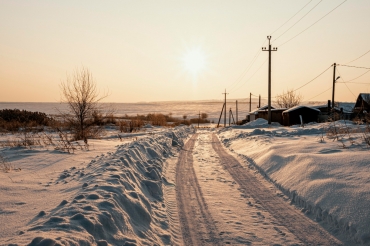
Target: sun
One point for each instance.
(194, 60)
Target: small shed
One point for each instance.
(292, 116)
(276, 115)
(253, 115)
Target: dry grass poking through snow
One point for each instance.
(59, 140)
(6, 166)
(344, 132)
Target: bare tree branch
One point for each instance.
(288, 99)
(80, 94)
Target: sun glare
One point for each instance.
(194, 60)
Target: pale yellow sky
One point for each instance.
(182, 50)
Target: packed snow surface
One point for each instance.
(327, 175)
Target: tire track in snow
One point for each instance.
(171, 203)
(197, 224)
(302, 227)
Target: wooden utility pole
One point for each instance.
(219, 119)
(225, 109)
(250, 101)
(231, 113)
(269, 83)
(229, 116)
(198, 119)
(333, 92)
(259, 101)
(236, 111)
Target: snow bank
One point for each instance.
(329, 182)
(119, 202)
(258, 123)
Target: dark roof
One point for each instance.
(299, 107)
(260, 109)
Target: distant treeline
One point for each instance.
(13, 119)
(159, 119)
(23, 116)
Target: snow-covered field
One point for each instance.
(123, 192)
(329, 180)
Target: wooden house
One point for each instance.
(362, 105)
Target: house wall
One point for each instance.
(276, 115)
(292, 117)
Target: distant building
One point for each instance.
(253, 115)
(293, 115)
(326, 112)
(362, 106)
(276, 114)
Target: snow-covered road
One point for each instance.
(221, 202)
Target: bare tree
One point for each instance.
(80, 93)
(204, 116)
(288, 99)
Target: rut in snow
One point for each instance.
(197, 224)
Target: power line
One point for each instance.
(313, 24)
(250, 76)
(349, 90)
(320, 93)
(358, 76)
(291, 17)
(247, 68)
(313, 79)
(298, 20)
(358, 57)
(345, 82)
(352, 66)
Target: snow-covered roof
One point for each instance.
(259, 109)
(346, 107)
(365, 96)
(322, 106)
(298, 107)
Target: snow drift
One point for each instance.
(119, 202)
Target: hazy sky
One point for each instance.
(182, 50)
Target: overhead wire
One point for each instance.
(358, 76)
(291, 17)
(320, 93)
(298, 20)
(249, 77)
(313, 79)
(363, 83)
(246, 70)
(345, 82)
(312, 24)
(352, 66)
(359, 57)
